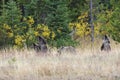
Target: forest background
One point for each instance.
(60, 22)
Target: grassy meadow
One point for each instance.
(87, 64)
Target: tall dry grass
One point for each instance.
(87, 64)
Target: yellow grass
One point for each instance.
(85, 65)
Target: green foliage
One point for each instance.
(76, 7)
(63, 42)
(7, 14)
(30, 8)
(114, 21)
(3, 37)
(22, 21)
(58, 17)
(109, 20)
(10, 17)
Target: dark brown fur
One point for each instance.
(66, 49)
(106, 44)
(41, 45)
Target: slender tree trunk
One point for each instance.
(22, 7)
(92, 27)
(3, 4)
(91, 22)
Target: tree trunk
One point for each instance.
(91, 22)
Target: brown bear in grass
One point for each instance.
(41, 45)
(106, 44)
(66, 49)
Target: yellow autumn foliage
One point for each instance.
(36, 33)
(19, 40)
(45, 28)
(7, 27)
(53, 35)
(39, 27)
(45, 34)
(83, 28)
(29, 31)
(30, 20)
(10, 34)
(71, 25)
(83, 15)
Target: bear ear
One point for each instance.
(102, 47)
(34, 44)
(106, 37)
(41, 40)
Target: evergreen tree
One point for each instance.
(41, 11)
(9, 21)
(58, 17)
(115, 20)
(30, 8)
(76, 7)
(11, 14)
